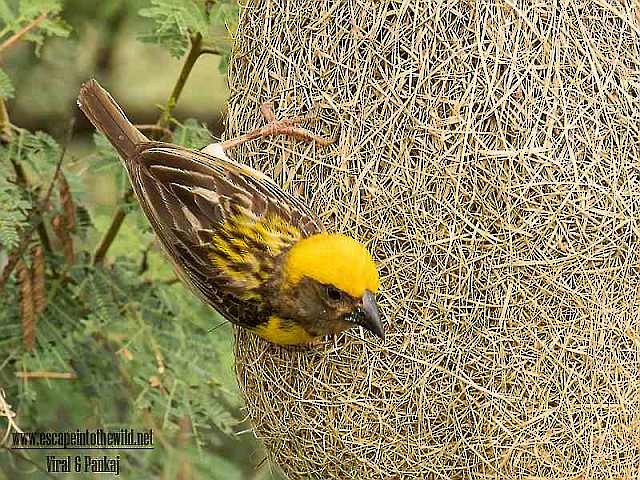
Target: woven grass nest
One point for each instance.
(487, 152)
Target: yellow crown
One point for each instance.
(333, 259)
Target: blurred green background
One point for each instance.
(194, 406)
(104, 43)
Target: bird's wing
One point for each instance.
(189, 196)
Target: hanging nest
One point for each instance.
(487, 153)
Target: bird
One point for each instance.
(255, 253)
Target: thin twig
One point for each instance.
(144, 261)
(114, 228)
(168, 134)
(22, 32)
(210, 51)
(27, 305)
(275, 127)
(194, 52)
(40, 375)
(56, 173)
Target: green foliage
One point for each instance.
(6, 86)
(227, 14)
(105, 155)
(13, 211)
(40, 152)
(138, 343)
(192, 134)
(140, 347)
(175, 21)
(134, 357)
(29, 9)
(14, 17)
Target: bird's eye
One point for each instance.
(333, 293)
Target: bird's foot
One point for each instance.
(286, 126)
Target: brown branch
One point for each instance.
(63, 232)
(27, 305)
(114, 228)
(21, 176)
(210, 51)
(168, 134)
(44, 236)
(66, 198)
(38, 279)
(144, 262)
(9, 42)
(194, 52)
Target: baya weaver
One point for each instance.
(252, 251)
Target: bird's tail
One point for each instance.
(107, 116)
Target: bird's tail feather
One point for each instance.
(107, 116)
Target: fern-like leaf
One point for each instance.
(192, 134)
(174, 21)
(13, 214)
(6, 87)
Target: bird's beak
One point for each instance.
(372, 320)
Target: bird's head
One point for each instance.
(330, 282)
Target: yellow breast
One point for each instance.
(282, 332)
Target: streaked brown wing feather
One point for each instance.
(188, 196)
